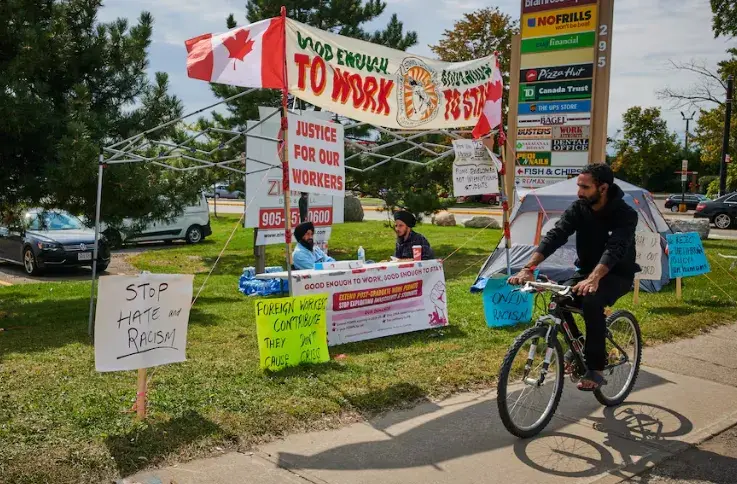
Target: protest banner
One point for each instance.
(316, 156)
(141, 322)
(291, 331)
(474, 172)
(265, 194)
(502, 306)
(686, 256)
(386, 87)
(380, 299)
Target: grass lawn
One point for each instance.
(60, 421)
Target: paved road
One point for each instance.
(461, 218)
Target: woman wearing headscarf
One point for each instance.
(404, 223)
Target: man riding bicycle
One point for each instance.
(605, 269)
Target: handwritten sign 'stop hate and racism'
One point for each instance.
(292, 331)
(141, 321)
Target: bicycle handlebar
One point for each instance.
(534, 286)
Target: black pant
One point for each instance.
(611, 288)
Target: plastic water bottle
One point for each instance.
(361, 254)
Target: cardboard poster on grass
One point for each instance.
(291, 331)
(141, 321)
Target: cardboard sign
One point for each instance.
(649, 256)
(686, 256)
(141, 321)
(534, 159)
(316, 156)
(502, 306)
(292, 331)
(474, 172)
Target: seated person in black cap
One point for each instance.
(305, 255)
(406, 237)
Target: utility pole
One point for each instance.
(725, 142)
(684, 166)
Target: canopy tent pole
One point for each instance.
(285, 167)
(96, 252)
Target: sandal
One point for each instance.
(592, 377)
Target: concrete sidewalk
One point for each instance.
(686, 393)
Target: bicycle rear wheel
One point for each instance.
(526, 404)
(624, 354)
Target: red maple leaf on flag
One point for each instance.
(238, 45)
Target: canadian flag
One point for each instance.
(250, 56)
(491, 116)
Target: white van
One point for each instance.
(192, 226)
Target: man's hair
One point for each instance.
(600, 172)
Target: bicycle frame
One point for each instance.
(560, 316)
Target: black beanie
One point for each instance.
(406, 217)
(301, 229)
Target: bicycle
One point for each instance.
(543, 340)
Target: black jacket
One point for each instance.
(404, 247)
(604, 237)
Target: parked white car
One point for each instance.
(192, 226)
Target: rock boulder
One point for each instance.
(352, 210)
(482, 222)
(444, 219)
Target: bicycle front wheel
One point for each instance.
(624, 354)
(527, 396)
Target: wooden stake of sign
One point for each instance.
(679, 289)
(602, 76)
(141, 394)
(511, 155)
(636, 299)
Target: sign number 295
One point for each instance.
(603, 31)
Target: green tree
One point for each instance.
(724, 21)
(479, 34)
(70, 85)
(647, 154)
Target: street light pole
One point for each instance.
(684, 166)
(725, 141)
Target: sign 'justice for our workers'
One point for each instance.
(316, 156)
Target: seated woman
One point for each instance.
(305, 254)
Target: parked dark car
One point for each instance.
(691, 200)
(50, 238)
(722, 212)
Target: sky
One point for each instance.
(647, 35)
